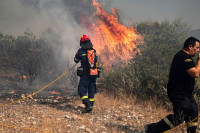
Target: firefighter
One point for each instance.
(87, 71)
(180, 90)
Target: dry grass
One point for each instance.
(109, 115)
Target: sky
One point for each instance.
(17, 16)
(159, 10)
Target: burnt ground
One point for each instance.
(63, 115)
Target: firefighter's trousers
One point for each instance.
(185, 109)
(87, 88)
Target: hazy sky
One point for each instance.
(16, 16)
(137, 10)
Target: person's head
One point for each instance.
(85, 42)
(191, 45)
(84, 38)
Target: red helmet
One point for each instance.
(84, 38)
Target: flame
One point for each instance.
(115, 43)
(54, 92)
(59, 97)
(12, 92)
(24, 77)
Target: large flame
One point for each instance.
(115, 43)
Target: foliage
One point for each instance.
(6, 44)
(146, 75)
(35, 57)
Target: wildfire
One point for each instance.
(115, 43)
(54, 92)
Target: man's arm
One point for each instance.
(77, 57)
(194, 72)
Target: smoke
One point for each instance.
(18, 16)
(189, 11)
(37, 16)
(63, 16)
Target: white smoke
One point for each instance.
(36, 16)
(18, 16)
(64, 24)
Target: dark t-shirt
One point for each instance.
(180, 83)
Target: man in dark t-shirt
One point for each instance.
(180, 82)
(180, 90)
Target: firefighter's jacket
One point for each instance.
(81, 55)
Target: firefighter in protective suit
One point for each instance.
(87, 71)
(180, 88)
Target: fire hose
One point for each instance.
(23, 128)
(40, 89)
(185, 124)
(31, 97)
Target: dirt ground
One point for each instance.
(63, 115)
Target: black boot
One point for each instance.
(149, 128)
(88, 108)
(191, 129)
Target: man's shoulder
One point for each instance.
(182, 58)
(81, 50)
(182, 55)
